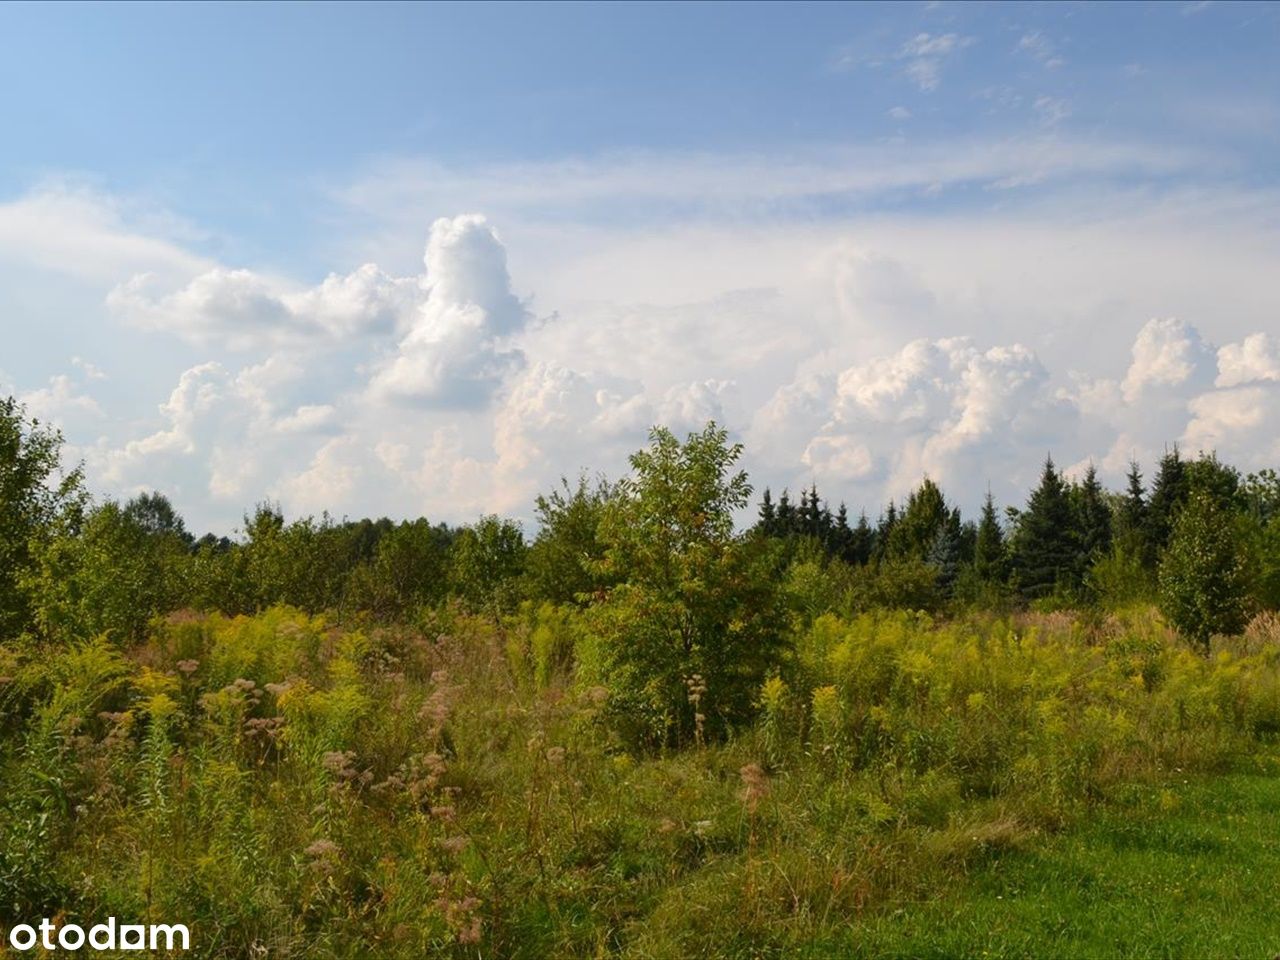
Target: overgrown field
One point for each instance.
(453, 785)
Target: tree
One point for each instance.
(485, 563)
(695, 606)
(1092, 520)
(110, 574)
(1044, 547)
(767, 524)
(156, 517)
(1168, 492)
(990, 554)
(922, 520)
(32, 497)
(564, 562)
(1130, 527)
(409, 568)
(1203, 582)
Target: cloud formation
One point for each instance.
(456, 351)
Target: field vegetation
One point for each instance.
(646, 731)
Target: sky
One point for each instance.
(418, 260)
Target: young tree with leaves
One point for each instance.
(34, 493)
(695, 603)
(1203, 579)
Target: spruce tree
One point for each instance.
(863, 541)
(1093, 520)
(1131, 525)
(786, 516)
(990, 554)
(768, 518)
(917, 529)
(1045, 548)
(841, 541)
(1168, 492)
(884, 532)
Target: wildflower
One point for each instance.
(755, 785)
(323, 855)
(597, 695)
(454, 845)
(188, 666)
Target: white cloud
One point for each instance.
(924, 55)
(1167, 354)
(1257, 357)
(456, 352)
(1051, 110)
(1035, 44)
(242, 309)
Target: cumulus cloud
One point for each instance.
(1257, 357)
(1168, 355)
(242, 309)
(457, 350)
(945, 408)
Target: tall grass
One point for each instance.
(290, 787)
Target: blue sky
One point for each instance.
(877, 240)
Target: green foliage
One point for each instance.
(564, 564)
(485, 562)
(32, 497)
(692, 598)
(409, 569)
(109, 575)
(1203, 578)
(1045, 545)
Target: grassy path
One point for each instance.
(1188, 871)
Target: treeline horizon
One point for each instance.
(76, 565)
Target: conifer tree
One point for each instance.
(884, 532)
(1130, 526)
(1168, 492)
(923, 517)
(786, 515)
(841, 544)
(768, 518)
(1092, 520)
(1045, 548)
(863, 541)
(990, 554)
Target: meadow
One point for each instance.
(294, 787)
(648, 732)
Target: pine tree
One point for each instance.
(768, 522)
(1092, 520)
(786, 516)
(1168, 493)
(990, 554)
(1045, 548)
(863, 541)
(923, 517)
(1131, 525)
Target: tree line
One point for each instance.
(669, 588)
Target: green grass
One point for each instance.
(1187, 870)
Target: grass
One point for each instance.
(1186, 870)
(295, 788)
